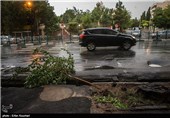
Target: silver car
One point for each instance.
(164, 34)
(136, 33)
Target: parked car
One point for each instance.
(99, 37)
(4, 39)
(136, 33)
(164, 34)
(15, 40)
(9, 40)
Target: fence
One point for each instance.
(35, 40)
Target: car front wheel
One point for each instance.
(126, 45)
(91, 46)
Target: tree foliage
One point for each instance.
(148, 15)
(97, 13)
(73, 27)
(134, 23)
(107, 17)
(41, 12)
(16, 15)
(12, 20)
(121, 16)
(145, 23)
(86, 20)
(161, 17)
(145, 18)
(100, 16)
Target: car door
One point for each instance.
(110, 37)
(97, 37)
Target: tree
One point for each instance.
(73, 27)
(134, 22)
(106, 18)
(16, 15)
(86, 20)
(159, 18)
(97, 13)
(78, 15)
(5, 23)
(148, 15)
(145, 23)
(14, 20)
(121, 16)
(69, 15)
(44, 15)
(143, 16)
(167, 16)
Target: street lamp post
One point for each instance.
(28, 5)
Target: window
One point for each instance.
(110, 32)
(96, 31)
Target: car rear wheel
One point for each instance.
(126, 45)
(91, 46)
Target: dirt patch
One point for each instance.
(121, 97)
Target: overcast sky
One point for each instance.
(135, 7)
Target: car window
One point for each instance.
(96, 31)
(109, 32)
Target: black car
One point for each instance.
(99, 37)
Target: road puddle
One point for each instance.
(157, 63)
(100, 67)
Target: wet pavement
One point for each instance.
(146, 61)
(141, 56)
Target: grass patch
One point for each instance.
(116, 102)
(121, 97)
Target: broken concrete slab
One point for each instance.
(155, 92)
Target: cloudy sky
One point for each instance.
(135, 7)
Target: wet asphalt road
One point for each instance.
(143, 53)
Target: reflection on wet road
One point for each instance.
(103, 57)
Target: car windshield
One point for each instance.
(137, 31)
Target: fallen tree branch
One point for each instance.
(89, 83)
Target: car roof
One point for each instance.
(98, 28)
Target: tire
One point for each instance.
(91, 46)
(126, 45)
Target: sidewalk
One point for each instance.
(47, 99)
(60, 99)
